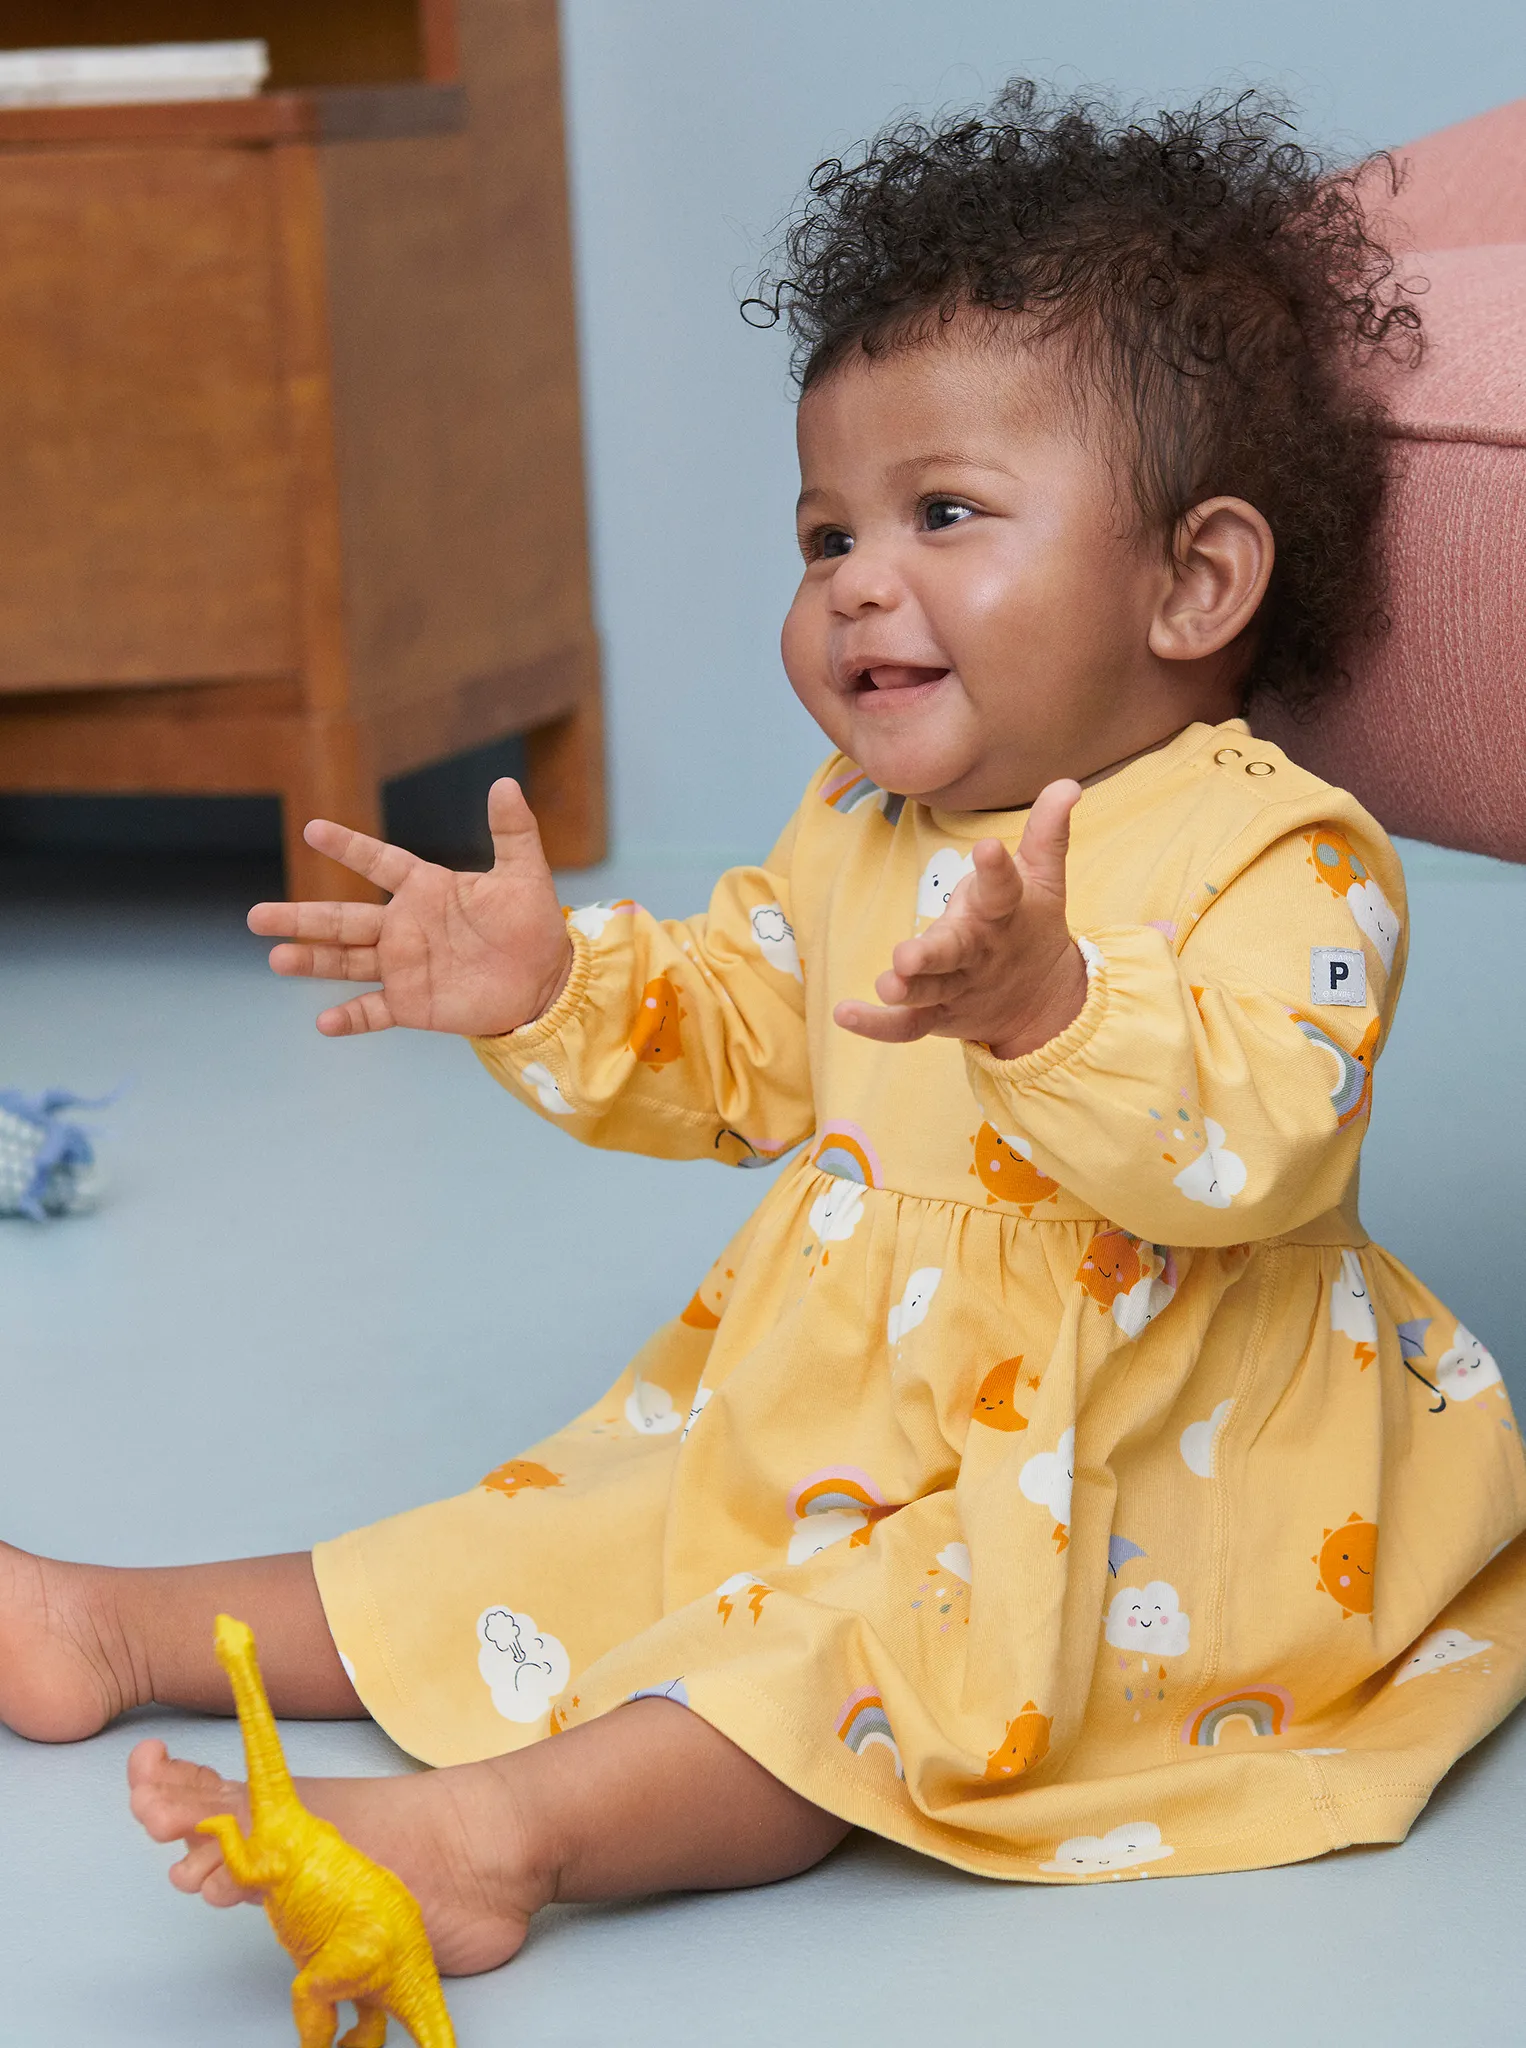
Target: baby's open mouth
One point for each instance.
(891, 676)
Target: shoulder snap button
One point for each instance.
(1225, 755)
(1259, 768)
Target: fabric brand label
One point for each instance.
(1338, 974)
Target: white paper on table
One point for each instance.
(130, 73)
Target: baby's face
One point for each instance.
(973, 621)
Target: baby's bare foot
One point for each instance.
(455, 1837)
(66, 1665)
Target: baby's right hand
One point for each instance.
(478, 954)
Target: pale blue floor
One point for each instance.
(334, 1280)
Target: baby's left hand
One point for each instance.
(999, 966)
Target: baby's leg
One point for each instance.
(80, 1644)
(648, 1798)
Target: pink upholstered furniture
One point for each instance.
(1432, 734)
(1466, 185)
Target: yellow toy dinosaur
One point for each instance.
(354, 1929)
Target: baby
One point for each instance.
(1052, 1475)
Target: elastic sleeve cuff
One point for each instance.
(511, 1048)
(1060, 1051)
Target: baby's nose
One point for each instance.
(866, 579)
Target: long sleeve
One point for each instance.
(685, 1039)
(1215, 1088)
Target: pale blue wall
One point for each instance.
(693, 123)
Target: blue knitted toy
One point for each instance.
(47, 1166)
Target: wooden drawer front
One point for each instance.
(146, 492)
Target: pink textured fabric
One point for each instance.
(1471, 382)
(1431, 736)
(1463, 185)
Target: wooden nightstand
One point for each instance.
(291, 487)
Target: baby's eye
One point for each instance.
(938, 514)
(827, 543)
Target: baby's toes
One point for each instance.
(199, 1866)
(202, 1869)
(169, 1795)
(144, 1760)
(219, 1889)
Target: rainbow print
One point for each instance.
(844, 1151)
(1264, 1710)
(836, 1505)
(863, 1724)
(733, 1149)
(1353, 1079)
(845, 792)
(837, 1488)
(675, 1689)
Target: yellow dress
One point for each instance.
(1051, 1475)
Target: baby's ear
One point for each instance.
(1221, 564)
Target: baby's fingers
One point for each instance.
(995, 889)
(1047, 839)
(944, 948)
(921, 992)
(361, 1013)
(892, 1026)
(387, 866)
(340, 924)
(327, 963)
(920, 967)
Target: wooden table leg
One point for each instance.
(335, 780)
(565, 763)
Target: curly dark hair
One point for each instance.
(1201, 264)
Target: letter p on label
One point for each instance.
(1338, 974)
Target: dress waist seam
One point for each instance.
(1334, 1231)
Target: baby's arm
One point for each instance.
(1205, 1095)
(682, 1039)
(471, 953)
(1195, 1094)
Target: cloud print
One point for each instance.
(697, 1407)
(649, 1409)
(1376, 918)
(541, 1083)
(818, 1532)
(776, 939)
(593, 917)
(913, 1305)
(940, 878)
(1434, 1652)
(1217, 1175)
(1047, 1479)
(835, 1211)
(1136, 1841)
(1148, 1619)
(1465, 1368)
(1198, 1441)
(1351, 1309)
(522, 1668)
(1135, 1311)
